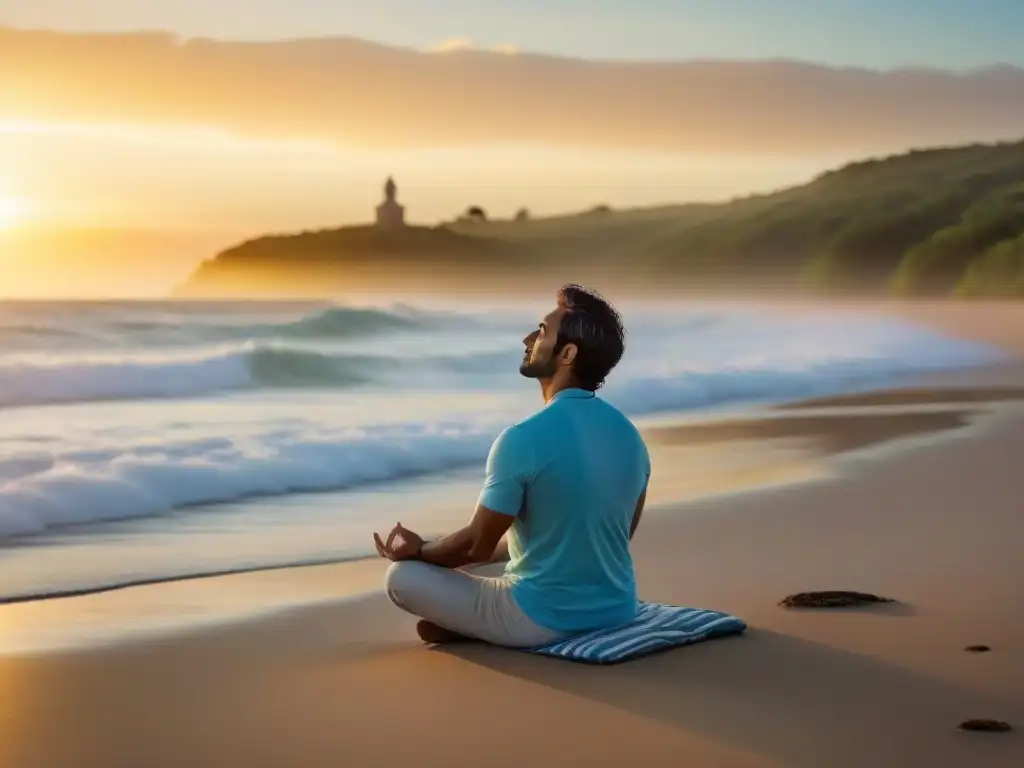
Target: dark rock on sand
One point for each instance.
(831, 599)
(991, 726)
(977, 648)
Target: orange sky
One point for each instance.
(201, 179)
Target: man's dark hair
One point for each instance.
(595, 327)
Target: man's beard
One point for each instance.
(539, 369)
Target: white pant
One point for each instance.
(480, 607)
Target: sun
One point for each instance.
(13, 211)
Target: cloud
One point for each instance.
(360, 94)
(453, 44)
(457, 44)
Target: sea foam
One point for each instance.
(74, 487)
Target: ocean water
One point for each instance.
(155, 440)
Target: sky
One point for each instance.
(872, 33)
(220, 166)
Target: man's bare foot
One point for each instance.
(432, 633)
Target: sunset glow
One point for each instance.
(112, 184)
(13, 211)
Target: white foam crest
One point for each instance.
(44, 380)
(76, 487)
(41, 380)
(771, 358)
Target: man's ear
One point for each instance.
(568, 354)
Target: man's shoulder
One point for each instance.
(616, 418)
(543, 433)
(628, 439)
(607, 418)
(529, 427)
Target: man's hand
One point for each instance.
(475, 543)
(401, 544)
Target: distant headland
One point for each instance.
(932, 222)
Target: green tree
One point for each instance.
(997, 274)
(937, 264)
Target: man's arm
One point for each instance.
(510, 468)
(501, 554)
(476, 543)
(638, 512)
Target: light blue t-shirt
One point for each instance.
(571, 474)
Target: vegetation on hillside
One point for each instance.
(924, 223)
(909, 224)
(997, 274)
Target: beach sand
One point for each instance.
(922, 501)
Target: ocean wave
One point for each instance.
(746, 363)
(129, 327)
(735, 360)
(249, 366)
(41, 489)
(332, 323)
(341, 322)
(75, 487)
(15, 332)
(690, 360)
(132, 378)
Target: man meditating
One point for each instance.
(568, 486)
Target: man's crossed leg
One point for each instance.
(454, 604)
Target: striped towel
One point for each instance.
(656, 628)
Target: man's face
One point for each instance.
(539, 360)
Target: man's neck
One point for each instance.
(551, 387)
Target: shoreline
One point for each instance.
(831, 438)
(157, 580)
(88, 619)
